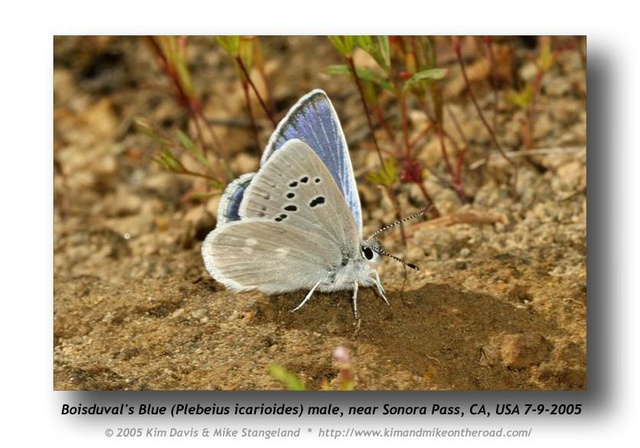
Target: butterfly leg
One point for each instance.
(380, 288)
(355, 299)
(308, 296)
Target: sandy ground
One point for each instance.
(496, 305)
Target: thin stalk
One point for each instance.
(352, 67)
(488, 40)
(456, 47)
(254, 127)
(404, 120)
(456, 179)
(531, 111)
(255, 90)
(385, 125)
(193, 108)
(456, 172)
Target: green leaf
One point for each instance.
(217, 185)
(203, 197)
(186, 142)
(195, 150)
(387, 176)
(366, 43)
(364, 74)
(344, 44)
(433, 74)
(378, 49)
(143, 126)
(246, 52)
(290, 380)
(169, 162)
(179, 62)
(547, 56)
(385, 51)
(337, 70)
(523, 98)
(230, 44)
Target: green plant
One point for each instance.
(171, 54)
(490, 129)
(181, 143)
(404, 76)
(288, 379)
(526, 98)
(404, 71)
(246, 52)
(346, 374)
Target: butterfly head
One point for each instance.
(371, 251)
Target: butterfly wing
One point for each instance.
(294, 187)
(268, 256)
(314, 121)
(228, 209)
(295, 228)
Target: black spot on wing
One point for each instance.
(318, 200)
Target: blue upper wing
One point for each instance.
(231, 198)
(314, 121)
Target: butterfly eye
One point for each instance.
(367, 253)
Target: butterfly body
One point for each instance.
(296, 223)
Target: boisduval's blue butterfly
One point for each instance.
(296, 224)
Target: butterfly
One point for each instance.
(296, 224)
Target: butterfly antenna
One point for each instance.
(383, 252)
(389, 226)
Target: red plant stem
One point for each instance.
(199, 132)
(445, 156)
(222, 153)
(183, 99)
(454, 174)
(396, 205)
(197, 115)
(383, 122)
(192, 105)
(409, 145)
(352, 67)
(456, 47)
(462, 153)
(433, 122)
(422, 134)
(454, 120)
(427, 196)
(254, 127)
(403, 98)
(537, 83)
(459, 168)
(405, 125)
(444, 181)
(184, 170)
(255, 90)
(196, 174)
(488, 40)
